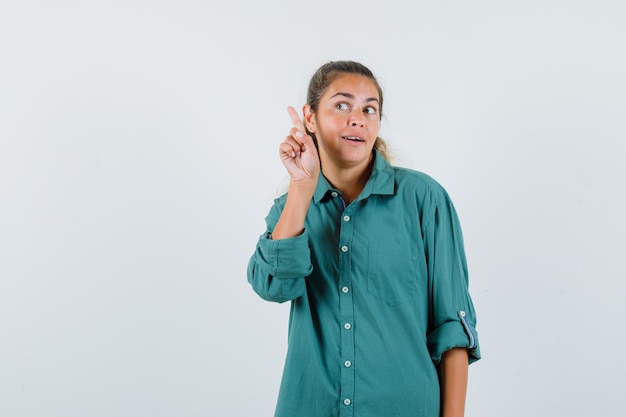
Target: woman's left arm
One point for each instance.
(453, 379)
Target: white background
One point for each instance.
(138, 159)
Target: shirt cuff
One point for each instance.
(454, 334)
(286, 258)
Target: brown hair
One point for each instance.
(323, 78)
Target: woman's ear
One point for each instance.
(309, 118)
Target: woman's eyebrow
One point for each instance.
(351, 96)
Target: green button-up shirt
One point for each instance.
(378, 291)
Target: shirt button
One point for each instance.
(344, 249)
(334, 194)
(345, 290)
(347, 364)
(347, 326)
(347, 401)
(346, 218)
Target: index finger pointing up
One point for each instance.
(295, 119)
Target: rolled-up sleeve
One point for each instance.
(278, 268)
(452, 318)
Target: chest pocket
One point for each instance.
(392, 273)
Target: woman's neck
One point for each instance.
(349, 181)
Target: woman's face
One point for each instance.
(346, 122)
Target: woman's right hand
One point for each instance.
(298, 152)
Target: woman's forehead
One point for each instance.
(355, 85)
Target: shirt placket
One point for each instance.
(346, 311)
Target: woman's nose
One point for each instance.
(356, 119)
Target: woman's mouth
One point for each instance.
(353, 138)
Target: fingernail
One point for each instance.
(293, 154)
(299, 134)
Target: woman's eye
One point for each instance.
(342, 106)
(370, 110)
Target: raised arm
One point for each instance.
(278, 268)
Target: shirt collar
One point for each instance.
(381, 181)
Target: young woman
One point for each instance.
(371, 258)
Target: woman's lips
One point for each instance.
(353, 138)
